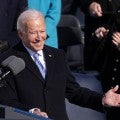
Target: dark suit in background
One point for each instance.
(110, 73)
(69, 6)
(9, 12)
(91, 24)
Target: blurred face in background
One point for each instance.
(34, 35)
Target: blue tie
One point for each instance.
(39, 64)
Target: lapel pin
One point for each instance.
(50, 55)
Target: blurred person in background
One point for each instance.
(69, 6)
(92, 12)
(9, 12)
(108, 35)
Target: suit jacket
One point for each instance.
(28, 89)
(9, 12)
(69, 6)
(52, 11)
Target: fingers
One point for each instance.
(101, 32)
(44, 114)
(115, 88)
(111, 98)
(38, 112)
(98, 10)
(116, 39)
(95, 9)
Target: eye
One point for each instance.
(42, 31)
(33, 32)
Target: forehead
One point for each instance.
(35, 23)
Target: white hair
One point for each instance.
(29, 14)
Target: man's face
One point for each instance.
(35, 34)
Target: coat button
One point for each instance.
(113, 78)
(117, 60)
(115, 69)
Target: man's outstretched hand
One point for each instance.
(111, 98)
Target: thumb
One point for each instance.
(115, 88)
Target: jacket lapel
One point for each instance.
(30, 64)
(49, 59)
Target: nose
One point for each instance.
(39, 35)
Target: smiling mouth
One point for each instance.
(37, 42)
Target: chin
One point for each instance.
(40, 48)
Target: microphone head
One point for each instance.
(15, 64)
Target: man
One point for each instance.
(31, 91)
(9, 12)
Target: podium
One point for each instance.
(10, 113)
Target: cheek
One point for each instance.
(30, 38)
(44, 37)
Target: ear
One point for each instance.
(20, 34)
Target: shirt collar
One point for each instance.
(40, 52)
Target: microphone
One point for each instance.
(11, 64)
(15, 64)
